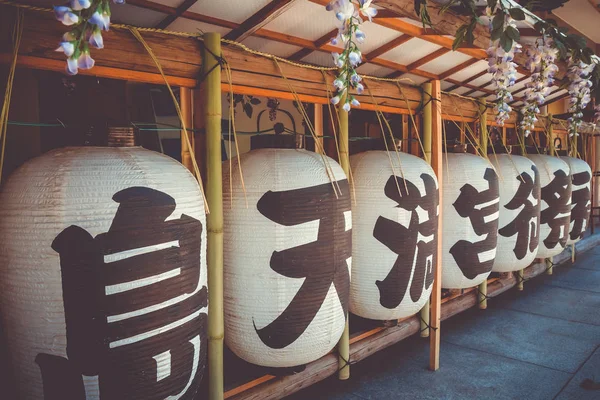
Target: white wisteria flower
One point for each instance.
(503, 70)
(580, 93)
(541, 63)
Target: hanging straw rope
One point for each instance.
(237, 149)
(17, 35)
(139, 37)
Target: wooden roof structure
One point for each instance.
(397, 45)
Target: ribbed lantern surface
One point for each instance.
(287, 256)
(581, 197)
(104, 276)
(470, 208)
(555, 216)
(394, 234)
(519, 220)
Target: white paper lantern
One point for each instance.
(470, 209)
(581, 197)
(555, 214)
(394, 234)
(519, 221)
(104, 275)
(287, 256)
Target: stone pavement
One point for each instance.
(542, 343)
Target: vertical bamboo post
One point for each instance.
(427, 145)
(463, 132)
(214, 194)
(185, 100)
(436, 164)
(552, 149)
(482, 296)
(344, 343)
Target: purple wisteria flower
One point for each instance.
(88, 18)
(349, 13)
(66, 15)
(78, 5)
(597, 114)
(540, 62)
(96, 40)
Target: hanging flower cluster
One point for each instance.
(541, 62)
(501, 54)
(580, 86)
(88, 19)
(350, 13)
(597, 114)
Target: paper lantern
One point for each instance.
(519, 218)
(287, 254)
(581, 197)
(470, 209)
(394, 234)
(555, 214)
(104, 275)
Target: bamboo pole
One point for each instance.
(214, 191)
(483, 140)
(427, 146)
(405, 127)
(436, 292)
(344, 343)
(548, 261)
(185, 100)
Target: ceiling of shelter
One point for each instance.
(300, 30)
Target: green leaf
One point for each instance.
(517, 13)
(492, 4)
(459, 36)
(506, 42)
(496, 33)
(498, 21)
(513, 33)
(255, 101)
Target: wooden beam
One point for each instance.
(178, 11)
(317, 44)
(392, 44)
(261, 18)
(428, 58)
(472, 78)
(458, 68)
(437, 165)
(25, 61)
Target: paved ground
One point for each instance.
(543, 343)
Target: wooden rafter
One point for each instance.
(261, 18)
(392, 44)
(466, 81)
(479, 88)
(428, 58)
(458, 68)
(168, 20)
(317, 44)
